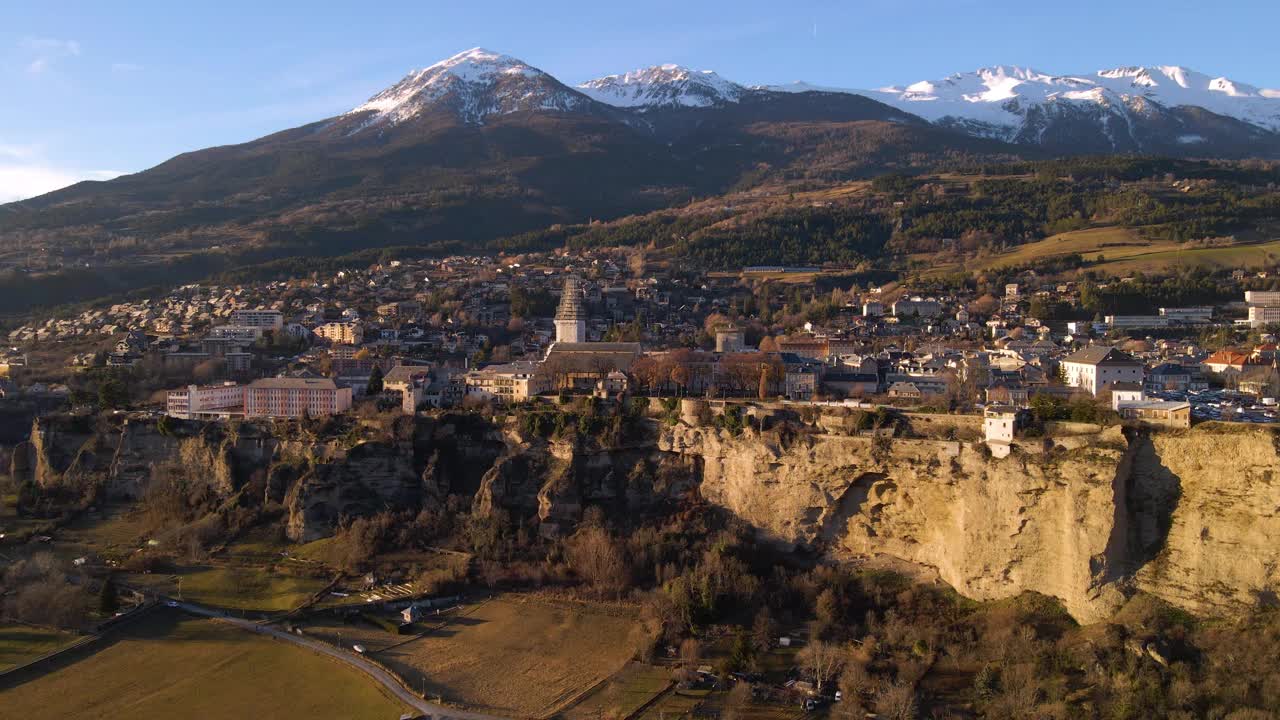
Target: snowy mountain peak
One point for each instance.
(998, 98)
(663, 86)
(474, 85)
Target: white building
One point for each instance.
(511, 382)
(195, 402)
(1095, 367)
(1263, 315)
(571, 317)
(999, 423)
(1137, 321)
(343, 333)
(242, 333)
(1188, 314)
(1268, 298)
(266, 319)
(1126, 394)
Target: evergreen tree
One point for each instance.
(112, 393)
(375, 381)
(108, 598)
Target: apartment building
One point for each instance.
(267, 398)
(916, 306)
(261, 318)
(295, 397)
(512, 382)
(1263, 315)
(238, 333)
(196, 402)
(343, 333)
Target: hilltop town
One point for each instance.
(465, 331)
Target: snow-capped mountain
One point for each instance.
(1166, 109)
(1159, 109)
(1000, 97)
(663, 86)
(473, 85)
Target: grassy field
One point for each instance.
(623, 694)
(235, 587)
(12, 524)
(113, 532)
(166, 666)
(1120, 251)
(1231, 257)
(517, 655)
(20, 643)
(1111, 242)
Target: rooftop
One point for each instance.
(1101, 355)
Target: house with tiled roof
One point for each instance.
(1226, 362)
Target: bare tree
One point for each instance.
(736, 702)
(897, 701)
(597, 559)
(822, 659)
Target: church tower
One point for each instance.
(571, 317)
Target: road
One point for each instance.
(384, 678)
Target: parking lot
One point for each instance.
(1223, 405)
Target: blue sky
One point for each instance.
(94, 88)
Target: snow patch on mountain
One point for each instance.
(475, 84)
(663, 86)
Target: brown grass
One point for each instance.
(517, 655)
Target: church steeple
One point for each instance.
(571, 316)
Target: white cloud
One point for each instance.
(21, 181)
(125, 67)
(44, 51)
(19, 152)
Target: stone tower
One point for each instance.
(571, 317)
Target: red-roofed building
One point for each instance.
(1226, 361)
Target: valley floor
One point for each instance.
(168, 665)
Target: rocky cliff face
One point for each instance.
(554, 481)
(1185, 516)
(1190, 516)
(317, 480)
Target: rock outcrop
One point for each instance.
(1186, 516)
(1085, 515)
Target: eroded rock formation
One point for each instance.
(1189, 516)
(1085, 516)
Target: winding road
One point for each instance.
(383, 677)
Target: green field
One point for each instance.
(20, 644)
(1230, 257)
(113, 532)
(1110, 242)
(168, 666)
(235, 587)
(1119, 251)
